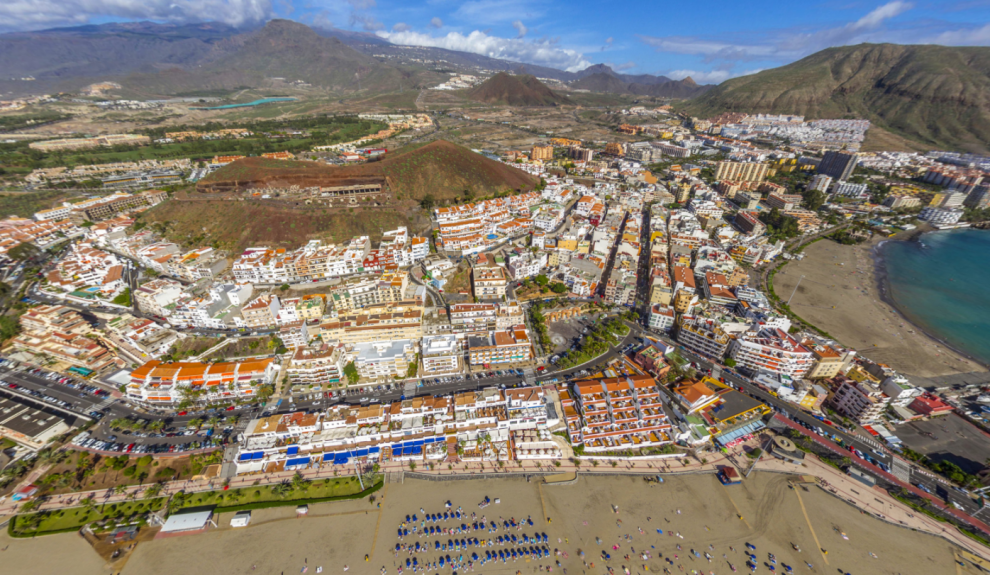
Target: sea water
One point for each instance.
(941, 282)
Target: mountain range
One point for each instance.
(936, 96)
(168, 59)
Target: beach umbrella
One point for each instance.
(437, 546)
(441, 561)
(414, 518)
(408, 563)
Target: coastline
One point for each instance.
(841, 290)
(883, 288)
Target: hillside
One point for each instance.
(614, 84)
(935, 95)
(522, 90)
(234, 226)
(440, 169)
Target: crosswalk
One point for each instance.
(105, 403)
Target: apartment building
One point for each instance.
(55, 214)
(357, 293)
(489, 281)
(441, 355)
(45, 319)
(166, 384)
(749, 223)
(741, 171)
(703, 336)
(541, 153)
(940, 216)
(838, 164)
(381, 360)
(862, 401)
(498, 347)
(473, 317)
(828, 362)
(784, 201)
(103, 208)
(772, 350)
(661, 317)
(315, 365)
(263, 312)
(376, 323)
(620, 413)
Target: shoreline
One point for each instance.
(883, 289)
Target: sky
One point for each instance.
(708, 40)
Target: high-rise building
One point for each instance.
(838, 165)
(541, 153)
(741, 171)
(979, 198)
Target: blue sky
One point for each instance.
(708, 40)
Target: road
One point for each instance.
(867, 445)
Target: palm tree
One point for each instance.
(156, 425)
(197, 423)
(281, 490)
(213, 422)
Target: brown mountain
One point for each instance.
(522, 90)
(937, 96)
(614, 84)
(283, 49)
(439, 169)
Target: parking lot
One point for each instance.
(956, 441)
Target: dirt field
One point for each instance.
(839, 295)
(339, 534)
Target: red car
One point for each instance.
(182, 413)
(231, 408)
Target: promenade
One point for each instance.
(873, 501)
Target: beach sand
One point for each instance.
(773, 519)
(66, 553)
(839, 294)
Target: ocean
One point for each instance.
(941, 282)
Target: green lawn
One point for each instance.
(49, 522)
(310, 490)
(6, 443)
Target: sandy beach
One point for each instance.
(697, 509)
(839, 294)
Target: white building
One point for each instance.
(940, 216)
(441, 355)
(772, 350)
(661, 317)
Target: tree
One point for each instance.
(813, 199)
(22, 251)
(197, 423)
(729, 362)
(124, 298)
(558, 287)
(542, 280)
(351, 373)
(284, 287)
(427, 202)
(9, 327)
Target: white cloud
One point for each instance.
(520, 28)
(400, 27)
(710, 77)
(436, 22)
(540, 53)
(37, 14)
